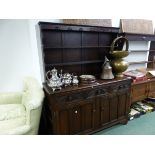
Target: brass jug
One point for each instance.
(119, 65)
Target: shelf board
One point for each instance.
(140, 62)
(46, 26)
(74, 47)
(139, 36)
(74, 63)
(142, 50)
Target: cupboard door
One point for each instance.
(81, 118)
(75, 118)
(62, 122)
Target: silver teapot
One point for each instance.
(54, 81)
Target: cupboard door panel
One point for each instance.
(63, 121)
(113, 101)
(96, 114)
(87, 116)
(105, 110)
(124, 103)
(75, 120)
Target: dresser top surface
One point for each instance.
(80, 87)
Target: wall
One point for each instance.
(15, 54)
(18, 53)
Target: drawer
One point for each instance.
(82, 95)
(76, 96)
(114, 88)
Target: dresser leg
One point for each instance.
(124, 121)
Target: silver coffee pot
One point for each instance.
(53, 80)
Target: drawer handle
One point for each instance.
(75, 111)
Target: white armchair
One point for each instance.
(20, 112)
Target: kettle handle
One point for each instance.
(116, 40)
(47, 75)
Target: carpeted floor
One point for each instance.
(144, 125)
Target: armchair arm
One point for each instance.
(10, 98)
(33, 119)
(33, 112)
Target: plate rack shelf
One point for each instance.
(75, 47)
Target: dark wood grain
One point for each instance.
(86, 108)
(81, 47)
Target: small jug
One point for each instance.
(67, 79)
(75, 80)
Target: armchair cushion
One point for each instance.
(11, 111)
(8, 125)
(20, 112)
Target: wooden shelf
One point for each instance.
(74, 63)
(142, 50)
(75, 48)
(138, 37)
(72, 47)
(46, 26)
(140, 62)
